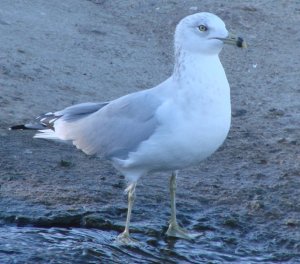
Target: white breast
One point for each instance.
(195, 120)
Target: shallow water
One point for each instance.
(81, 245)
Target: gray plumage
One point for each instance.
(103, 128)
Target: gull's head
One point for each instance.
(204, 33)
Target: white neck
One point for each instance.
(189, 65)
(200, 81)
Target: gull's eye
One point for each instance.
(202, 28)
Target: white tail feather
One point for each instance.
(46, 134)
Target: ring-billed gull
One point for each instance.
(176, 124)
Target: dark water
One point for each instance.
(81, 245)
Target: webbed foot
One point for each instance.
(125, 239)
(175, 230)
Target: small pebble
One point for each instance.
(193, 8)
(27, 151)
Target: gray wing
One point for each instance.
(71, 113)
(116, 129)
(78, 111)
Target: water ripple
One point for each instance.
(81, 245)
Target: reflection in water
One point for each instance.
(79, 245)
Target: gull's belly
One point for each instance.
(181, 145)
(206, 139)
(196, 142)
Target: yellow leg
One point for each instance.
(174, 229)
(125, 237)
(173, 187)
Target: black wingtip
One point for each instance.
(18, 127)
